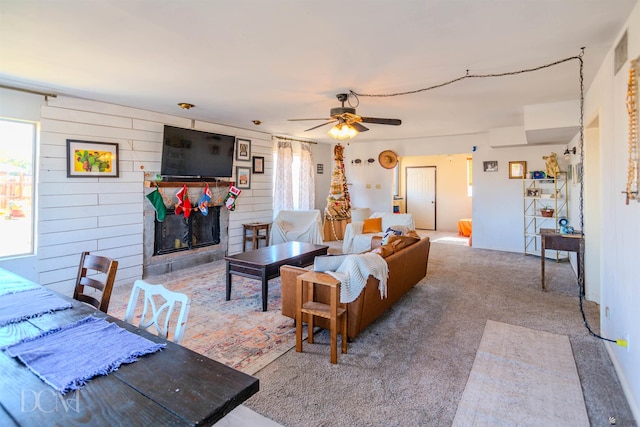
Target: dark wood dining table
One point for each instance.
(174, 386)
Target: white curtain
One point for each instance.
(283, 191)
(307, 189)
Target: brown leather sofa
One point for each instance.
(407, 267)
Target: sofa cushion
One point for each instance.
(399, 242)
(412, 233)
(383, 250)
(372, 225)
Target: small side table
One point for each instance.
(335, 312)
(553, 240)
(254, 234)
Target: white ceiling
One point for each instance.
(244, 60)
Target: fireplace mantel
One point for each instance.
(150, 184)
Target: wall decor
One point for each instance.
(517, 170)
(320, 168)
(490, 166)
(577, 173)
(533, 192)
(92, 159)
(243, 149)
(243, 177)
(258, 164)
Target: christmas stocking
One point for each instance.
(156, 200)
(204, 201)
(184, 205)
(230, 200)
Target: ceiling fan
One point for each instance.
(347, 116)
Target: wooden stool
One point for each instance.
(254, 234)
(334, 311)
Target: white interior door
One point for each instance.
(421, 196)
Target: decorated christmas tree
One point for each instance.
(338, 201)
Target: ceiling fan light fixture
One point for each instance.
(343, 131)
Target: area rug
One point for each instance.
(523, 377)
(236, 332)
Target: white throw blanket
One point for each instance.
(354, 272)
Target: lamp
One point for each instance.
(343, 131)
(567, 152)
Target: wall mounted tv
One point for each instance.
(193, 154)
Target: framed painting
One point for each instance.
(490, 166)
(243, 177)
(92, 159)
(243, 149)
(517, 170)
(258, 164)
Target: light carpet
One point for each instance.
(523, 377)
(236, 332)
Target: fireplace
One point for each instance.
(177, 233)
(178, 243)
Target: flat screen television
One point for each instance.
(194, 154)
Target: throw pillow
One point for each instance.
(372, 225)
(327, 262)
(384, 250)
(412, 233)
(399, 242)
(390, 232)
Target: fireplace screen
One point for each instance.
(177, 233)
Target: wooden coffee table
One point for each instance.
(264, 263)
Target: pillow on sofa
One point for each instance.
(412, 233)
(328, 262)
(390, 232)
(384, 250)
(399, 242)
(372, 225)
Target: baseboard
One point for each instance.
(633, 403)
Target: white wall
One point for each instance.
(620, 290)
(322, 154)
(452, 201)
(105, 215)
(498, 218)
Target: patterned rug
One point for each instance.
(236, 332)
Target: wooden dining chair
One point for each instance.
(98, 273)
(158, 309)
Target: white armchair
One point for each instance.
(297, 226)
(355, 241)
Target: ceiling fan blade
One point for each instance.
(300, 120)
(323, 124)
(395, 122)
(359, 127)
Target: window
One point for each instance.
(295, 172)
(17, 167)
